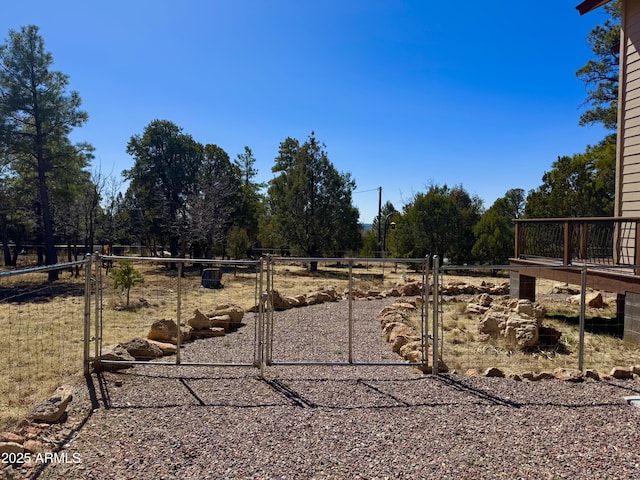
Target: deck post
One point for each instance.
(519, 248)
(568, 231)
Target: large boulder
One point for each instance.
(521, 330)
(164, 331)
(494, 322)
(141, 349)
(517, 322)
(529, 309)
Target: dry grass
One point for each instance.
(41, 339)
(463, 349)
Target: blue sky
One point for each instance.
(403, 93)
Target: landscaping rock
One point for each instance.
(141, 349)
(221, 321)
(199, 321)
(592, 299)
(116, 354)
(494, 372)
(164, 331)
(209, 333)
(235, 312)
(52, 409)
(621, 373)
(166, 348)
(568, 375)
(10, 447)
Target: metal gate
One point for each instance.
(333, 333)
(348, 338)
(175, 288)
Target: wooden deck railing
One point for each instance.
(592, 240)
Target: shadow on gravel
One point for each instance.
(463, 387)
(296, 397)
(319, 393)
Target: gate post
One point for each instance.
(350, 311)
(178, 308)
(583, 302)
(268, 344)
(425, 314)
(263, 299)
(436, 314)
(98, 323)
(87, 313)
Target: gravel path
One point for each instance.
(319, 422)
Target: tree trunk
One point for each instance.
(51, 256)
(5, 241)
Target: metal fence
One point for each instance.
(480, 326)
(43, 333)
(176, 290)
(49, 330)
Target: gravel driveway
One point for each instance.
(319, 422)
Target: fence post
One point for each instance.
(98, 320)
(262, 298)
(178, 308)
(436, 314)
(87, 313)
(584, 240)
(583, 301)
(425, 314)
(269, 314)
(350, 311)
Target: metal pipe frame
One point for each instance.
(435, 296)
(87, 315)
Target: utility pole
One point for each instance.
(379, 218)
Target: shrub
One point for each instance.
(126, 277)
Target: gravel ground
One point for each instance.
(317, 422)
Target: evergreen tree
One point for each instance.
(37, 115)
(310, 204)
(600, 74)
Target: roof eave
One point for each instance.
(588, 5)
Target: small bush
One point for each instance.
(126, 277)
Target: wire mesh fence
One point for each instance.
(41, 334)
(176, 290)
(481, 325)
(335, 333)
(478, 322)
